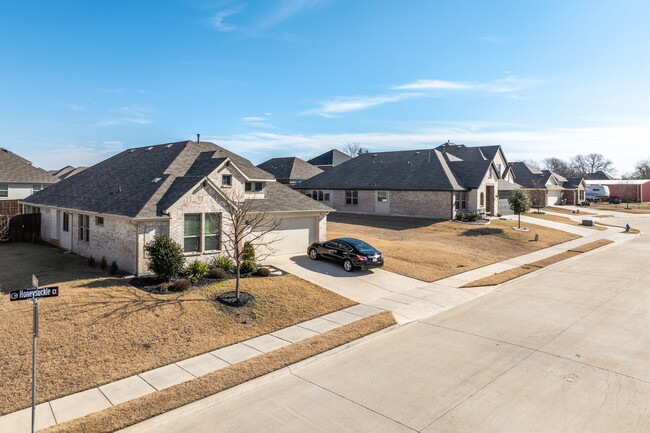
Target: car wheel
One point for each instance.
(313, 254)
(348, 266)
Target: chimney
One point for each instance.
(198, 138)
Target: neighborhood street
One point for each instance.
(564, 349)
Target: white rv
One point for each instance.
(597, 192)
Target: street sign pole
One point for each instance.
(34, 295)
(34, 337)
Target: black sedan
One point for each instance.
(353, 253)
(615, 200)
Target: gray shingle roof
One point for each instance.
(289, 168)
(572, 183)
(124, 184)
(599, 175)
(331, 157)
(282, 198)
(529, 176)
(420, 170)
(14, 168)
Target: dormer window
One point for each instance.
(226, 180)
(248, 187)
(259, 186)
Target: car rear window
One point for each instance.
(362, 247)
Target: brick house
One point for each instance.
(115, 207)
(547, 188)
(19, 178)
(289, 171)
(433, 183)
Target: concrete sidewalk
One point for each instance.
(104, 396)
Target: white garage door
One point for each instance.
(292, 236)
(554, 197)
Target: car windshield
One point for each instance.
(361, 246)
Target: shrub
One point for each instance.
(166, 257)
(247, 266)
(585, 203)
(469, 216)
(499, 215)
(102, 263)
(263, 272)
(224, 262)
(249, 251)
(197, 268)
(91, 261)
(193, 280)
(113, 269)
(180, 285)
(217, 274)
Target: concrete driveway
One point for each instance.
(564, 349)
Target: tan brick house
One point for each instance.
(547, 188)
(115, 207)
(433, 183)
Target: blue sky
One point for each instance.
(81, 81)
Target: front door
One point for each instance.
(382, 201)
(489, 199)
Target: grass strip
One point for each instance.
(632, 230)
(502, 277)
(561, 219)
(592, 245)
(566, 211)
(511, 274)
(148, 406)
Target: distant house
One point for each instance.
(115, 207)
(329, 159)
(434, 183)
(546, 187)
(66, 172)
(289, 171)
(599, 175)
(19, 178)
(637, 190)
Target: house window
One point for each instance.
(461, 200)
(99, 221)
(192, 233)
(66, 222)
(482, 199)
(498, 168)
(327, 196)
(212, 232)
(248, 187)
(320, 195)
(258, 186)
(582, 194)
(382, 196)
(84, 228)
(226, 180)
(36, 188)
(490, 172)
(4, 190)
(351, 197)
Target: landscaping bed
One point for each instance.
(101, 328)
(429, 250)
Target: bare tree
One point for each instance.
(641, 170)
(531, 162)
(557, 165)
(583, 165)
(354, 149)
(4, 229)
(627, 192)
(539, 196)
(247, 221)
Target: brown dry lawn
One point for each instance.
(634, 208)
(566, 211)
(138, 410)
(561, 219)
(102, 329)
(430, 250)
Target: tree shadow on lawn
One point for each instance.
(482, 231)
(382, 222)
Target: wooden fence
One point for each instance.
(24, 227)
(10, 208)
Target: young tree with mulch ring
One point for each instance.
(519, 202)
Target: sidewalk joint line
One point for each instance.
(49, 403)
(189, 372)
(105, 396)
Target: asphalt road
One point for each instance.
(565, 349)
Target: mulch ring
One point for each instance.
(240, 310)
(152, 284)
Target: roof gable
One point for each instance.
(332, 157)
(289, 168)
(14, 168)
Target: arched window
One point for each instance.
(482, 199)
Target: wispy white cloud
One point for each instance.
(258, 27)
(218, 20)
(57, 155)
(511, 83)
(354, 103)
(253, 119)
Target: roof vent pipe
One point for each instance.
(198, 138)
